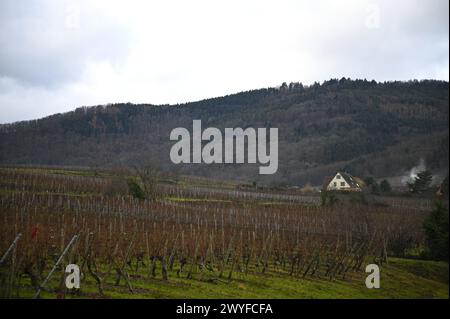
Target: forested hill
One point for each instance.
(367, 128)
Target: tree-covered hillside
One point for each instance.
(367, 128)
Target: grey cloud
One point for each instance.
(411, 41)
(47, 43)
(52, 52)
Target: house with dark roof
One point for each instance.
(343, 181)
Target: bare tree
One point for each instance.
(147, 178)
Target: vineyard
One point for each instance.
(49, 220)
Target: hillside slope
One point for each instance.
(367, 128)
(400, 279)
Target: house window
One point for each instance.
(338, 176)
(342, 183)
(335, 184)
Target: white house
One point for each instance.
(344, 182)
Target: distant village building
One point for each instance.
(344, 182)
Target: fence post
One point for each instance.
(60, 259)
(5, 255)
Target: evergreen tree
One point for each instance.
(385, 187)
(369, 180)
(375, 188)
(421, 183)
(444, 187)
(436, 232)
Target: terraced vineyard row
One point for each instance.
(121, 237)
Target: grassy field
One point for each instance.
(400, 278)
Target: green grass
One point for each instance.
(400, 278)
(48, 193)
(61, 171)
(189, 199)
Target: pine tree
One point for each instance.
(436, 231)
(385, 187)
(421, 183)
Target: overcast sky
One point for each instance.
(58, 55)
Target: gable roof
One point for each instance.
(349, 179)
